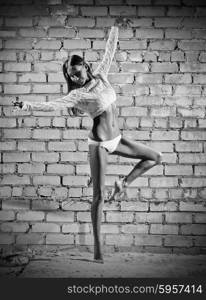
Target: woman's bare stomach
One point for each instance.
(105, 126)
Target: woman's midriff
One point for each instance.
(105, 126)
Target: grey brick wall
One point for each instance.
(159, 77)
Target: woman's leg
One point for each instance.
(131, 149)
(98, 162)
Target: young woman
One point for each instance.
(92, 93)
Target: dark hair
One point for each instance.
(73, 61)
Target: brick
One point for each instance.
(76, 228)
(18, 22)
(46, 180)
(75, 206)
(74, 180)
(188, 146)
(200, 241)
(15, 180)
(30, 216)
(136, 44)
(167, 206)
(119, 217)
(178, 78)
(17, 89)
(91, 33)
(168, 22)
(5, 191)
(94, 11)
(151, 11)
(75, 192)
(7, 122)
(178, 170)
(7, 55)
(130, 228)
(134, 111)
(164, 182)
(16, 157)
(44, 191)
(44, 204)
(78, 134)
(84, 216)
(164, 67)
(77, 44)
(46, 44)
(149, 33)
(60, 216)
(18, 44)
(148, 78)
(61, 32)
(119, 240)
(193, 229)
(193, 135)
(177, 241)
(81, 22)
(6, 77)
(187, 90)
(134, 56)
(163, 112)
(31, 146)
(133, 206)
(200, 218)
(121, 78)
(200, 170)
(74, 156)
(60, 169)
(84, 239)
(177, 56)
(123, 10)
(15, 204)
(61, 146)
(192, 45)
(163, 229)
(165, 135)
(49, 88)
(178, 217)
(47, 67)
(6, 239)
(31, 168)
(148, 100)
(147, 240)
(7, 215)
(193, 182)
(148, 217)
(135, 90)
(29, 239)
(45, 227)
(46, 134)
(45, 157)
(109, 228)
(192, 207)
(180, 11)
(14, 227)
(38, 77)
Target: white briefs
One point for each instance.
(109, 145)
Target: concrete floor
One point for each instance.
(73, 264)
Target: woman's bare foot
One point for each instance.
(119, 188)
(99, 260)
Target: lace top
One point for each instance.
(94, 97)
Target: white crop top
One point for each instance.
(94, 97)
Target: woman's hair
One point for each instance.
(73, 61)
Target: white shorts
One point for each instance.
(109, 145)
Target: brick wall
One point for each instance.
(159, 76)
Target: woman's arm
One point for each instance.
(110, 49)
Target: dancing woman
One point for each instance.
(92, 93)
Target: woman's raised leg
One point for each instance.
(131, 149)
(98, 163)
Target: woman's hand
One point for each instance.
(123, 22)
(75, 112)
(17, 105)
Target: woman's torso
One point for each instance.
(105, 126)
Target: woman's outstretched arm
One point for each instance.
(110, 49)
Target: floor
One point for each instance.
(74, 263)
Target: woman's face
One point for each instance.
(78, 74)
